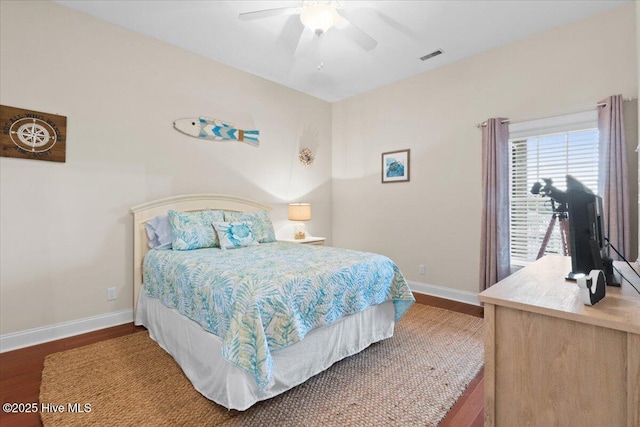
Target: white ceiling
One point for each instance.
(405, 31)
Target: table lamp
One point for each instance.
(299, 212)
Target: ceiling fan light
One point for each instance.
(318, 17)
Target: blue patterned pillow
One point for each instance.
(192, 230)
(260, 224)
(233, 235)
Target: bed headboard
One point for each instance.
(190, 202)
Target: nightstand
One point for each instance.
(308, 241)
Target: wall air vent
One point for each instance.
(432, 54)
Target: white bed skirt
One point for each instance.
(198, 351)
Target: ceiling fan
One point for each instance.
(319, 17)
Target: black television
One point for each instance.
(586, 237)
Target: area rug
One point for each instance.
(411, 379)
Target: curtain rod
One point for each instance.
(560, 113)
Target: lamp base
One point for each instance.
(299, 231)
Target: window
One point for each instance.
(552, 149)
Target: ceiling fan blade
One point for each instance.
(352, 31)
(266, 13)
(306, 43)
(402, 29)
(291, 33)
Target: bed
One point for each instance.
(248, 324)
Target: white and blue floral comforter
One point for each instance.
(262, 298)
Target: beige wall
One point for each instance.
(66, 231)
(435, 218)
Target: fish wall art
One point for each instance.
(216, 130)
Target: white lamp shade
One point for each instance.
(299, 212)
(319, 17)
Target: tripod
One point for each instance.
(559, 215)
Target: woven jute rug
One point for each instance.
(411, 379)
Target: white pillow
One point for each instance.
(159, 232)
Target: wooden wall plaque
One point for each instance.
(28, 134)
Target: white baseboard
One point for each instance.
(58, 331)
(447, 293)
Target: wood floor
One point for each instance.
(21, 372)
(468, 410)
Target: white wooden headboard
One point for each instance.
(190, 202)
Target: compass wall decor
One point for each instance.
(28, 134)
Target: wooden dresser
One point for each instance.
(552, 361)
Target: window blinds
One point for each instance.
(551, 156)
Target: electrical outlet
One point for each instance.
(111, 294)
(421, 270)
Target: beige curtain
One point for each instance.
(614, 175)
(494, 251)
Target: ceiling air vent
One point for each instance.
(432, 54)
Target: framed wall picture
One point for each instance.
(28, 134)
(395, 166)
